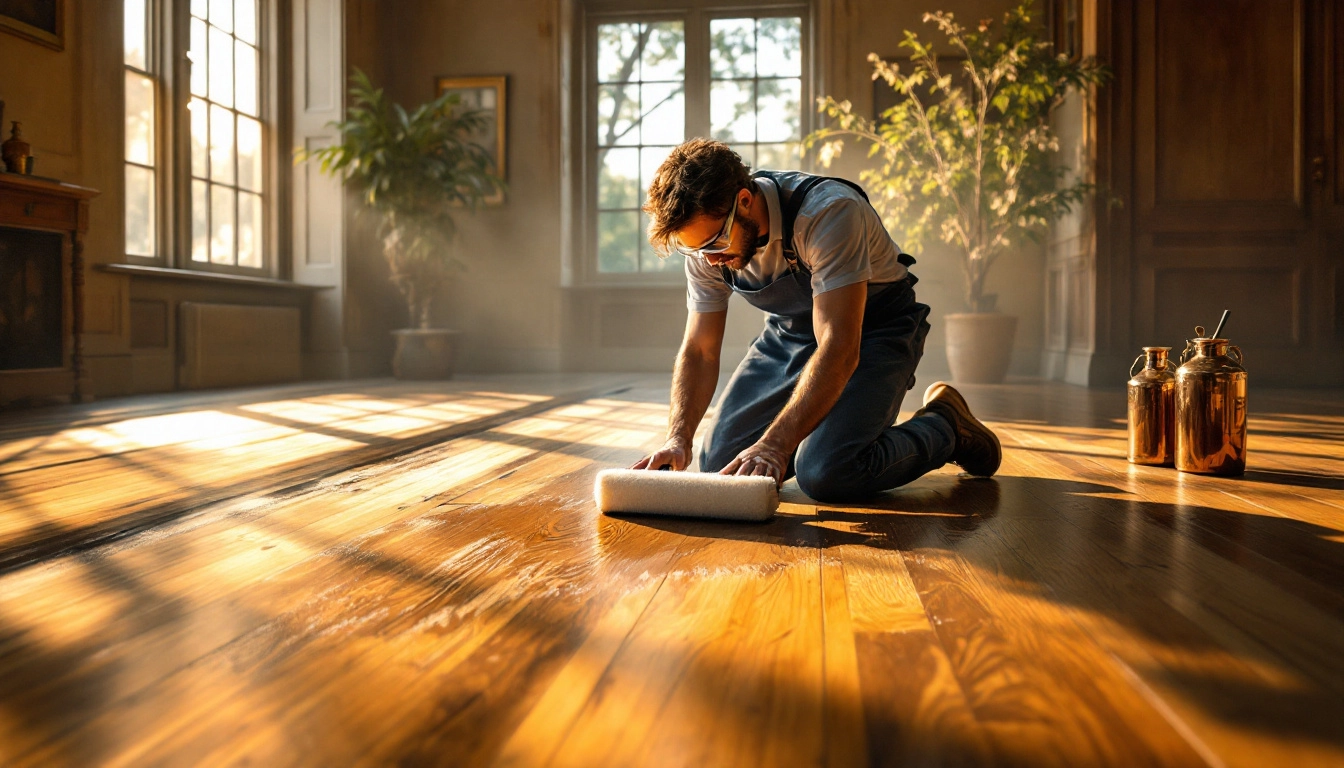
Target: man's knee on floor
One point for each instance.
(829, 483)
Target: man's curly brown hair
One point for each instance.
(700, 176)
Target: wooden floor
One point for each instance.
(387, 573)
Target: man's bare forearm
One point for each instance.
(818, 390)
(693, 382)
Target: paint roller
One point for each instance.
(686, 494)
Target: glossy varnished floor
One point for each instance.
(400, 574)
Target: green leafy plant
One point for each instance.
(967, 153)
(412, 169)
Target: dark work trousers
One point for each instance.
(855, 451)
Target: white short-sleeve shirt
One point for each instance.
(837, 236)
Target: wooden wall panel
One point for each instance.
(1226, 97)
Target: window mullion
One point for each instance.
(697, 74)
(173, 51)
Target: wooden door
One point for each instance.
(1230, 111)
(1326, 165)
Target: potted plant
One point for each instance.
(967, 155)
(412, 170)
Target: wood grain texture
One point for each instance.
(457, 600)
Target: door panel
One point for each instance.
(1225, 108)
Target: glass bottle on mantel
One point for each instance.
(1152, 409)
(1211, 408)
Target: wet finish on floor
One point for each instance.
(388, 573)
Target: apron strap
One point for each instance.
(789, 214)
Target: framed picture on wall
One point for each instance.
(42, 21)
(490, 95)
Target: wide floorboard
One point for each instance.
(391, 573)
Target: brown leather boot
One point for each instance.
(977, 450)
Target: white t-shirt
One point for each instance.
(837, 236)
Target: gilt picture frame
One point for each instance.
(41, 21)
(489, 93)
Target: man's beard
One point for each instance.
(752, 232)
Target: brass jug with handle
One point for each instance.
(1152, 409)
(1211, 408)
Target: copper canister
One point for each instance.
(1211, 409)
(1152, 409)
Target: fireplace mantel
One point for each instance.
(33, 204)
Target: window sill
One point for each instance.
(191, 275)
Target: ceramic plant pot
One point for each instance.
(980, 346)
(424, 353)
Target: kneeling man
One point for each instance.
(819, 390)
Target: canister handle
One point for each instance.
(1241, 356)
(1137, 360)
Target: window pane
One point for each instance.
(780, 157)
(617, 241)
(139, 118)
(245, 59)
(732, 47)
(200, 69)
(200, 137)
(221, 68)
(649, 160)
(139, 211)
(664, 113)
(200, 8)
(200, 221)
(616, 60)
(779, 47)
(249, 230)
(618, 178)
(221, 145)
(249, 154)
(133, 34)
(665, 52)
(731, 116)
(617, 114)
(245, 20)
(221, 224)
(778, 109)
(221, 14)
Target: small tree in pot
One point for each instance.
(966, 156)
(412, 169)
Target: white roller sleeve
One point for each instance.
(686, 494)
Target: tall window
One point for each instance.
(226, 159)
(756, 91)
(216, 57)
(141, 119)
(656, 82)
(641, 103)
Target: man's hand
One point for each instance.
(761, 458)
(675, 451)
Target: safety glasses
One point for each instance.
(720, 243)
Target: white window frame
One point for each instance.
(696, 16)
(169, 40)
